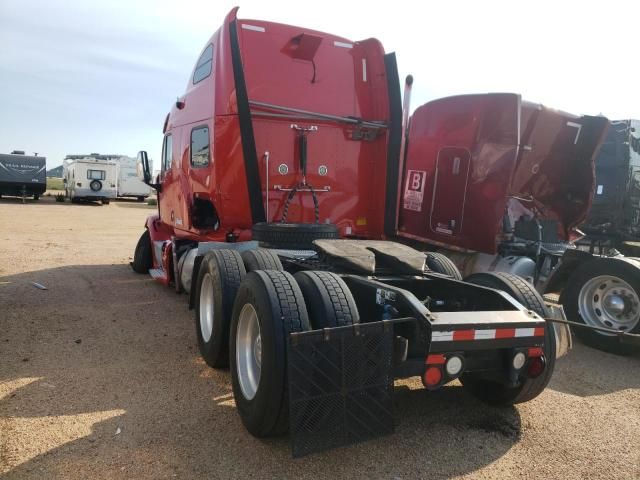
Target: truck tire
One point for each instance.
(496, 393)
(517, 287)
(36, 196)
(261, 259)
(105, 201)
(604, 292)
(268, 307)
(329, 301)
(439, 263)
(142, 260)
(95, 185)
(219, 277)
(295, 236)
(141, 199)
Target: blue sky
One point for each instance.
(80, 77)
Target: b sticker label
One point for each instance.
(414, 190)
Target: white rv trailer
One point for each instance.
(130, 183)
(90, 179)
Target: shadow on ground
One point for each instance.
(100, 376)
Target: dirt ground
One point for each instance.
(100, 378)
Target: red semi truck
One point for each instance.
(277, 163)
(500, 185)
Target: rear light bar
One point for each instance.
(441, 368)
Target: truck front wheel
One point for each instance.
(219, 277)
(268, 307)
(497, 393)
(604, 292)
(142, 260)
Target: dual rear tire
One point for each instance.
(244, 315)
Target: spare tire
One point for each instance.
(95, 185)
(295, 236)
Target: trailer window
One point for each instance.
(200, 147)
(167, 153)
(203, 67)
(96, 174)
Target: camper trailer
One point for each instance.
(22, 175)
(130, 183)
(90, 179)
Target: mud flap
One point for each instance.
(564, 341)
(340, 386)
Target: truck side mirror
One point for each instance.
(143, 161)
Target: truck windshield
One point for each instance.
(95, 174)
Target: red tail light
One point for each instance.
(536, 367)
(536, 352)
(432, 377)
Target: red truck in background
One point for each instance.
(500, 185)
(278, 186)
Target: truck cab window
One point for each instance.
(200, 147)
(203, 67)
(167, 153)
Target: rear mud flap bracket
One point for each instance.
(340, 386)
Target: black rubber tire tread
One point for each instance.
(295, 236)
(439, 263)
(227, 270)
(625, 268)
(329, 300)
(261, 259)
(142, 260)
(279, 303)
(516, 286)
(525, 293)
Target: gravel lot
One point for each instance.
(100, 378)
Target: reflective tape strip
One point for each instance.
(524, 332)
(343, 44)
(442, 336)
(486, 334)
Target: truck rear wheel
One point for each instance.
(296, 236)
(268, 307)
(439, 263)
(219, 277)
(604, 292)
(142, 260)
(329, 301)
(261, 259)
(517, 287)
(497, 393)
(105, 201)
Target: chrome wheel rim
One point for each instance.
(206, 307)
(610, 302)
(248, 351)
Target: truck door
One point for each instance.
(167, 197)
(449, 190)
